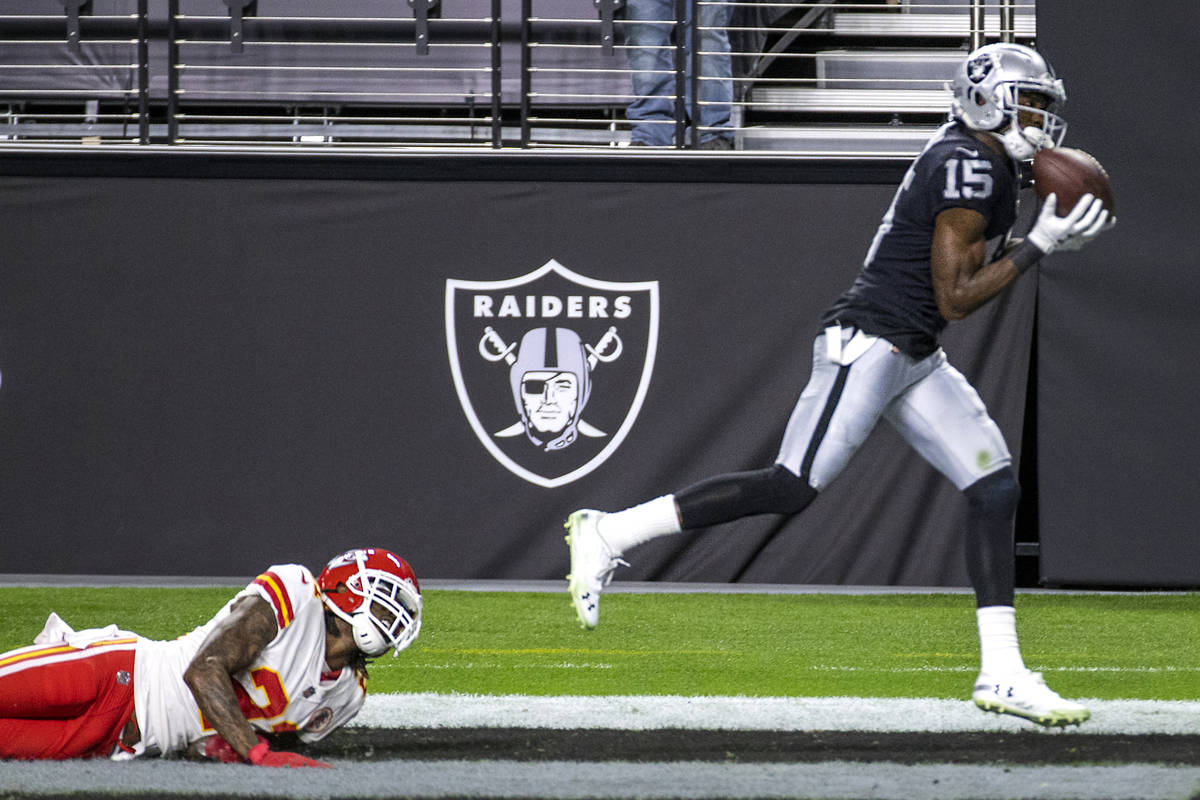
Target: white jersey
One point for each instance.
(287, 688)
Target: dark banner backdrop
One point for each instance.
(202, 376)
(1118, 322)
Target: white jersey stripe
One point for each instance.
(41, 655)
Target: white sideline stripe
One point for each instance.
(650, 712)
(888, 670)
(575, 780)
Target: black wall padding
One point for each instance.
(203, 375)
(1118, 380)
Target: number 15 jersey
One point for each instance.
(893, 295)
(287, 688)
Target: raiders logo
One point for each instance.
(551, 368)
(979, 68)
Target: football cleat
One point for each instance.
(1025, 694)
(592, 564)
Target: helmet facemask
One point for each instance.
(383, 609)
(389, 619)
(1022, 141)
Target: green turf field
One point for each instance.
(1136, 646)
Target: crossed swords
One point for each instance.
(609, 348)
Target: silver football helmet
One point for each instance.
(993, 84)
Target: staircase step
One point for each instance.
(874, 141)
(910, 101)
(886, 69)
(871, 23)
(944, 6)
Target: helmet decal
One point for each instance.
(978, 68)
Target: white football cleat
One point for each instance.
(592, 564)
(1025, 694)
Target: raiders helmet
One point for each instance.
(358, 582)
(988, 88)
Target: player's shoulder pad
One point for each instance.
(960, 147)
(286, 587)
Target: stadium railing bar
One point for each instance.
(818, 77)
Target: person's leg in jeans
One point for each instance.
(652, 58)
(716, 71)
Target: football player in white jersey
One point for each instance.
(877, 357)
(283, 661)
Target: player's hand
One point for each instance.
(263, 756)
(1103, 223)
(217, 749)
(1085, 221)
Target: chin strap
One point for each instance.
(1022, 144)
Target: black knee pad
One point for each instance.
(995, 495)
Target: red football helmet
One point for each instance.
(357, 580)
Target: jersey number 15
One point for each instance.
(968, 178)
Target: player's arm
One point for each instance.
(231, 647)
(962, 282)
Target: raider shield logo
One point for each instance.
(552, 367)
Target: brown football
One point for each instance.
(1070, 174)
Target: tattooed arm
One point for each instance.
(230, 647)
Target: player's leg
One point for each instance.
(943, 418)
(838, 408)
(834, 414)
(61, 702)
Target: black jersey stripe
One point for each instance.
(831, 402)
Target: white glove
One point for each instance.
(1104, 222)
(1085, 222)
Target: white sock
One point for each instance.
(998, 649)
(622, 530)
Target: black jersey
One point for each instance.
(893, 295)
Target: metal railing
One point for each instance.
(866, 75)
(74, 71)
(429, 78)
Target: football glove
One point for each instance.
(1104, 222)
(263, 756)
(217, 749)
(1084, 223)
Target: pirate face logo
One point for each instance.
(549, 401)
(551, 368)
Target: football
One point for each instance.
(1070, 174)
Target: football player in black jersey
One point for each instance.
(878, 356)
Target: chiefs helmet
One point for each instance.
(989, 88)
(358, 583)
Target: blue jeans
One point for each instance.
(652, 58)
